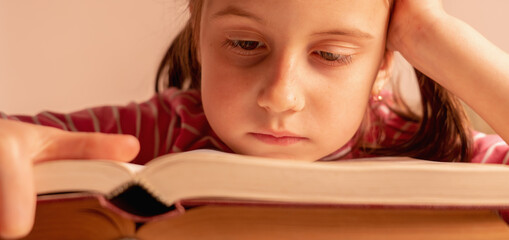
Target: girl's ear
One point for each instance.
(384, 73)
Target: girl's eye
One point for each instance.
(333, 59)
(329, 56)
(245, 47)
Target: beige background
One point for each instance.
(65, 55)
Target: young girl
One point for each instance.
(284, 79)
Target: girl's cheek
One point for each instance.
(221, 76)
(230, 72)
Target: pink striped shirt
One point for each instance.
(173, 121)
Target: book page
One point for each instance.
(372, 181)
(100, 176)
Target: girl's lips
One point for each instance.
(279, 139)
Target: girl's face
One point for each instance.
(290, 78)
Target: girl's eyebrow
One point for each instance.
(235, 11)
(352, 32)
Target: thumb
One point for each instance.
(69, 145)
(17, 199)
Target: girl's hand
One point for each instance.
(22, 145)
(409, 16)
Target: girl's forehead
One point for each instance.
(382, 5)
(371, 15)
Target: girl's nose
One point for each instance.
(282, 90)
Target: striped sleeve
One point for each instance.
(490, 149)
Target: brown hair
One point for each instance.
(180, 67)
(443, 133)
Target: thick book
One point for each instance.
(223, 196)
(90, 217)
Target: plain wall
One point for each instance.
(64, 55)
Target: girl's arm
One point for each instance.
(169, 122)
(456, 56)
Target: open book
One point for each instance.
(216, 190)
(210, 174)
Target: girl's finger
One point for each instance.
(65, 145)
